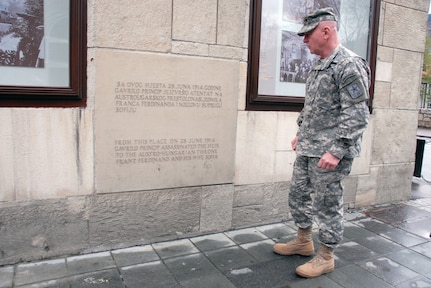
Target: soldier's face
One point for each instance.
(314, 40)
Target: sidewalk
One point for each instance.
(384, 246)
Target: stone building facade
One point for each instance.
(66, 186)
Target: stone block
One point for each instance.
(195, 21)
(394, 136)
(283, 167)
(394, 183)
(216, 210)
(350, 188)
(7, 175)
(231, 24)
(268, 203)
(132, 24)
(255, 147)
(406, 79)
(168, 123)
(52, 151)
(367, 188)
(190, 48)
(382, 94)
(41, 229)
(226, 52)
(401, 20)
(143, 217)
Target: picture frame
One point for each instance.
(61, 79)
(277, 55)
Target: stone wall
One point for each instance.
(424, 120)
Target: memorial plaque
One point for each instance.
(163, 121)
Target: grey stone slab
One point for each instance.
(402, 237)
(107, 279)
(424, 249)
(388, 270)
(230, 258)
(353, 252)
(248, 235)
(419, 282)
(421, 228)
(353, 276)
(398, 213)
(175, 248)
(279, 273)
(212, 242)
(134, 255)
(355, 232)
(412, 260)
(29, 273)
(57, 283)
(276, 231)
(90, 262)
(152, 274)
(196, 271)
(321, 282)
(373, 225)
(6, 276)
(261, 250)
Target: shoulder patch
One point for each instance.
(356, 91)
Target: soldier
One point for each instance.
(331, 125)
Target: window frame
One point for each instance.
(73, 95)
(261, 102)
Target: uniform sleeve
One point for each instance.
(354, 83)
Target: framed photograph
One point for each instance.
(42, 52)
(279, 61)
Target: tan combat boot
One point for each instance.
(302, 244)
(322, 263)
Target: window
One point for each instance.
(43, 53)
(279, 61)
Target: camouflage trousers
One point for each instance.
(318, 193)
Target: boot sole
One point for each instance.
(314, 276)
(297, 253)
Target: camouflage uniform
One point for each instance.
(333, 119)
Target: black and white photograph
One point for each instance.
(295, 58)
(22, 33)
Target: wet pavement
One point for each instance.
(384, 246)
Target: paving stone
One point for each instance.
(354, 252)
(424, 249)
(277, 231)
(388, 270)
(57, 283)
(212, 242)
(230, 258)
(196, 271)
(261, 250)
(106, 279)
(152, 274)
(90, 262)
(321, 282)
(419, 282)
(279, 273)
(402, 237)
(356, 277)
(134, 255)
(40, 271)
(175, 248)
(412, 260)
(248, 235)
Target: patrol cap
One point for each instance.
(312, 20)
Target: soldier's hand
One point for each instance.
(328, 161)
(293, 143)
